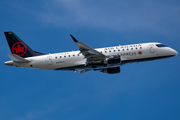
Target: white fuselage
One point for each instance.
(75, 60)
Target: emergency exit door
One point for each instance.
(49, 60)
(152, 49)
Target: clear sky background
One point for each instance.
(143, 91)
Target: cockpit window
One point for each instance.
(160, 45)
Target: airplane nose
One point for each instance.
(174, 52)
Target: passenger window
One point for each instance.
(122, 49)
(118, 49)
(64, 56)
(105, 51)
(59, 56)
(131, 48)
(109, 51)
(127, 49)
(73, 55)
(140, 47)
(69, 56)
(114, 50)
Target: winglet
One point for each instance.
(16, 58)
(73, 38)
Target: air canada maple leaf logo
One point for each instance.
(19, 49)
(140, 52)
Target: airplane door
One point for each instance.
(49, 60)
(152, 49)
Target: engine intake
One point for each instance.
(113, 59)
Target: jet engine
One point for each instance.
(110, 60)
(113, 59)
(111, 70)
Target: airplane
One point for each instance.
(106, 60)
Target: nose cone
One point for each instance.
(174, 52)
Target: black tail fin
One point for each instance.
(18, 47)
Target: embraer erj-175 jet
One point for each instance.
(106, 60)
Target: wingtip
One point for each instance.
(73, 38)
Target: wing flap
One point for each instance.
(83, 71)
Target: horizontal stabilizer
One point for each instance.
(16, 58)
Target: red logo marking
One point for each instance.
(140, 52)
(19, 49)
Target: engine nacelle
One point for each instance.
(116, 59)
(113, 59)
(111, 70)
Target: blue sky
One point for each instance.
(143, 91)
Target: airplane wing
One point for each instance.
(88, 52)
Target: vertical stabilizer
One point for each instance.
(18, 47)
